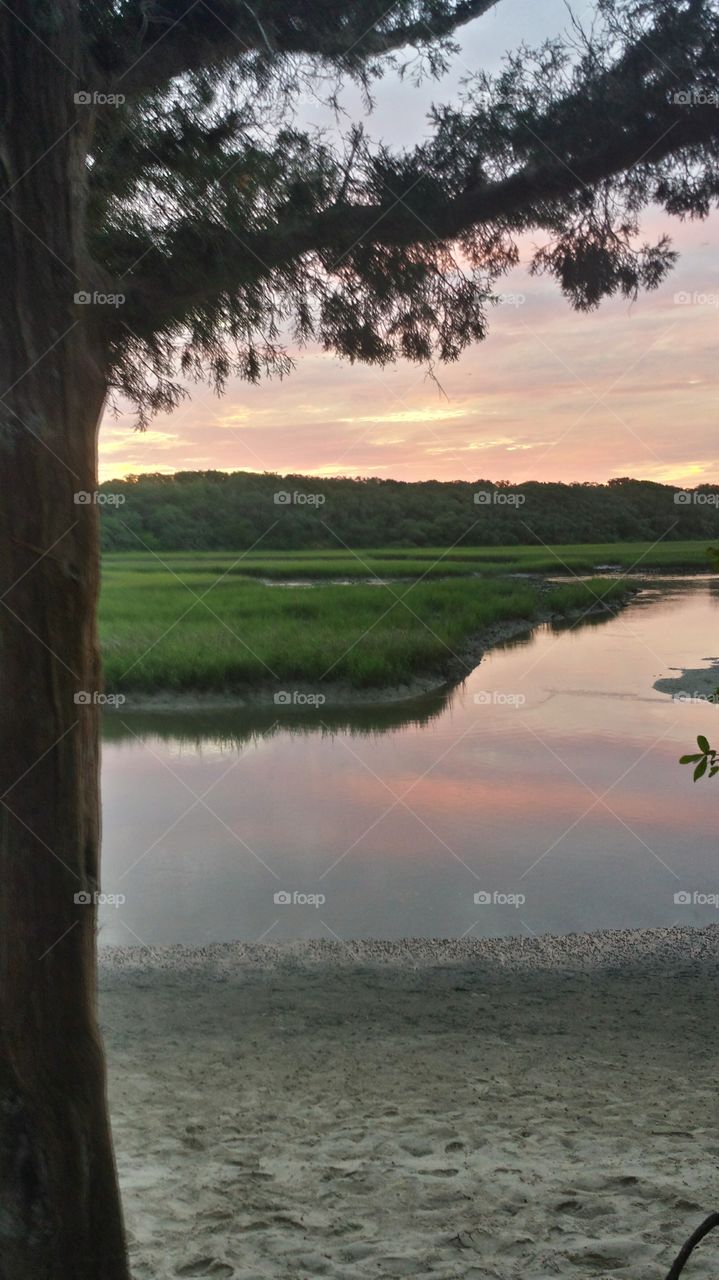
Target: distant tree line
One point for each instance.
(213, 510)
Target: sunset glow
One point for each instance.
(551, 394)
(629, 390)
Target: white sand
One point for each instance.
(423, 1109)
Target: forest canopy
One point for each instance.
(212, 510)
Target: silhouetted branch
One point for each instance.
(685, 1252)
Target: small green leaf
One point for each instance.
(690, 759)
(700, 770)
(704, 744)
(714, 769)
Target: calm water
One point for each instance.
(548, 782)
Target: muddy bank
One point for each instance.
(692, 684)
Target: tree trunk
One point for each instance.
(60, 1216)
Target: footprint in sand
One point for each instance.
(578, 1209)
(205, 1267)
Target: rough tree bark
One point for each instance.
(60, 1213)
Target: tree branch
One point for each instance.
(224, 260)
(148, 44)
(687, 1249)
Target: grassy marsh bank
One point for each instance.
(183, 628)
(427, 562)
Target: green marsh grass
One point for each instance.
(428, 562)
(190, 629)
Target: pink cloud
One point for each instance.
(630, 389)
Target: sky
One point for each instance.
(551, 394)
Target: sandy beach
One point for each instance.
(472, 1109)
